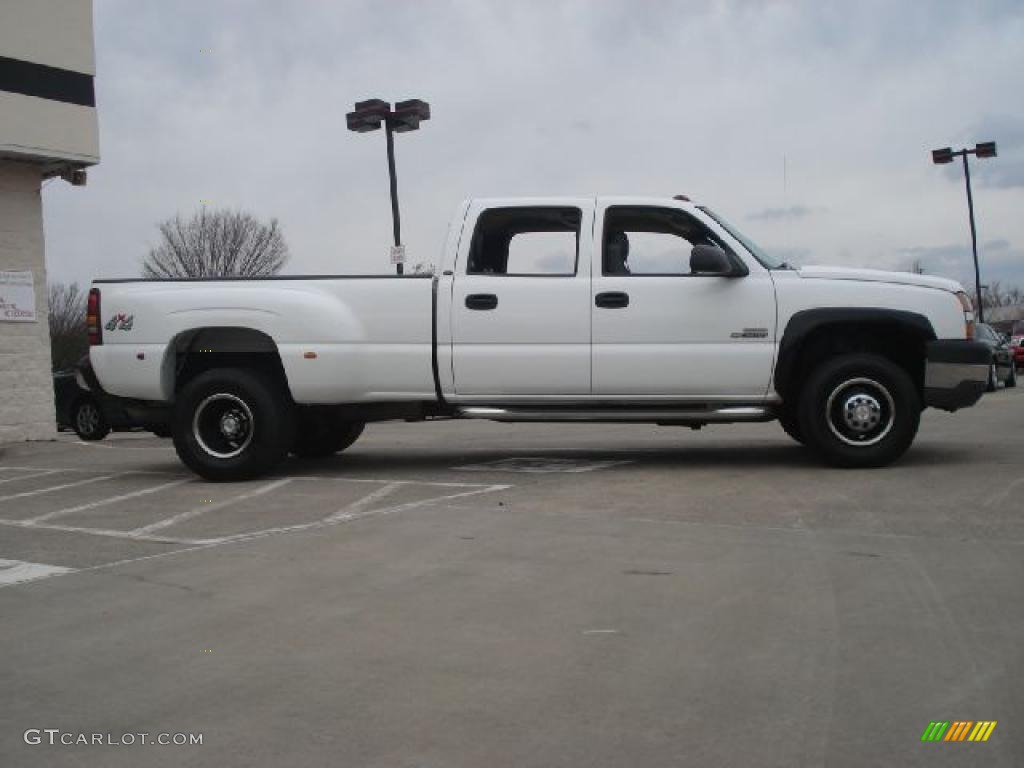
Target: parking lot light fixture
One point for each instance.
(945, 155)
(407, 115)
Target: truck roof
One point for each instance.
(676, 200)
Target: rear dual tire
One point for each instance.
(320, 433)
(859, 410)
(233, 424)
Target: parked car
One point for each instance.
(544, 309)
(1017, 343)
(1003, 367)
(83, 407)
(80, 410)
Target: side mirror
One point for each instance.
(711, 260)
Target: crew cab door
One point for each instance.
(660, 331)
(520, 311)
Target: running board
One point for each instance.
(724, 414)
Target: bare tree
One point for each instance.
(217, 243)
(996, 295)
(68, 337)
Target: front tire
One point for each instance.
(232, 424)
(1011, 380)
(859, 410)
(88, 420)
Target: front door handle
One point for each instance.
(481, 301)
(612, 300)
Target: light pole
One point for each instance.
(946, 155)
(406, 116)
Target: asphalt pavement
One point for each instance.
(472, 594)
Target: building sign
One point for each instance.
(17, 297)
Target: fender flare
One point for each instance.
(804, 323)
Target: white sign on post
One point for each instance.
(397, 254)
(17, 297)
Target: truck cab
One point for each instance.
(606, 300)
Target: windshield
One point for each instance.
(768, 261)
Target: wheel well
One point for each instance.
(202, 349)
(901, 343)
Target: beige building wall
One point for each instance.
(26, 387)
(48, 128)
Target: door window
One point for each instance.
(526, 241)
(641, 240)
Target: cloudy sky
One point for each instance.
(807, 124)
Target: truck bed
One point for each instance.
(352, 338)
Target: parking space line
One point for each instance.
(433, 500)
(107, 532)
(355, 511)
(81, 470)
(30, 475)
(104, 502)
(542, 465)
(18, 571)
(347, 518)
(357, 506)
(61, 487)
(124, 447)
(383, 480)
(189, 514)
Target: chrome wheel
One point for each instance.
(223, 425)
(860, 412)
(87, 418)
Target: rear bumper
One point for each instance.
(956, 373)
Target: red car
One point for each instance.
(1017, 342)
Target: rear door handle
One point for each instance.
(612, 300)
(481, 301)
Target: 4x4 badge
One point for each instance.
(121, 322)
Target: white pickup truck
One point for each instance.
(568, 309)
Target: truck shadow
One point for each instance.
(753, 457)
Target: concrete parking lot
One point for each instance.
(473, 594)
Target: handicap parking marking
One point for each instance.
(542, 465)
(19, 571)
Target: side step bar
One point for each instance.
(722, 414)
